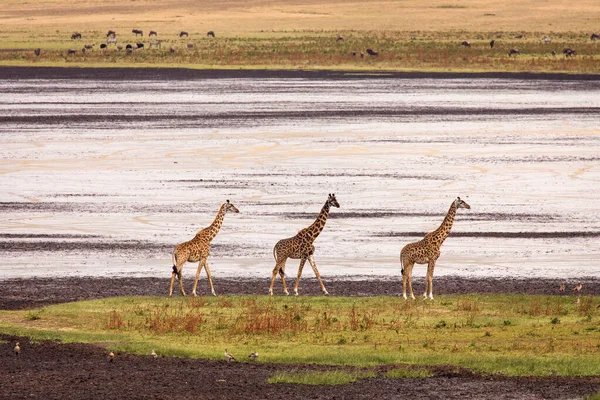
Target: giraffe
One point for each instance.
(427, 251)
(198, 249)
(301, 247)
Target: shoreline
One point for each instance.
(39, 292)
(183, 73)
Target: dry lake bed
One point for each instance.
(103, 173)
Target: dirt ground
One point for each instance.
(38, 292)
(46, 370)
(50, 370)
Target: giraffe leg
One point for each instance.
(282, 275)
(212, 289)
(278, 269)
(410, 289)
(180, 277)
(311, 260)
(429, 280)
(197, 277)
(173, 275)
(302, 261)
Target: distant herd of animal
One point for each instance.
(111, 39)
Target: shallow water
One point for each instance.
(106, 177)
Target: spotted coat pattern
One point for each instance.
(301, 247)
(427, 251)
(198, 250)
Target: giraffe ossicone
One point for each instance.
(198, 250)
(301, 247)
(427, 251)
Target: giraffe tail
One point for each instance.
(275, 254)
(402, 264)
(174, 260)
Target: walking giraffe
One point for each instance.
(301, 247)
(198, 249)
(427, 251)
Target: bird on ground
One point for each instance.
(17, 349)
(577, 288)
(562, 287)
(229, 356)
(253, 356)
(111, 356)
(577, 300)
(154, 355)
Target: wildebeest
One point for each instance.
(119, 47)
(156, 43)
(553, 53)
(340, 37)
(513, 51)
(210, 33)
(546, 39)
(111, 33)
(76, 35)
(183, 33)
(190, 45)
(492, 42)
(70, 51)
(172, 50)
(139, 45)
(353, 54)
(129, 50)
(465, 43)
(128, 47)
(37, 51)
(568, 52)
(88, 46)
(152, 33)
(372, 52)
(102, 45)
(111, 41)
(362, 55)
(519, 37)
(594, 36)
(138, 32)
(83, 50)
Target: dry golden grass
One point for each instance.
(250, 17)
(301, 34)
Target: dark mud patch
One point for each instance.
(402, 214)
(38, 292)
(46, 236)
(51, 370)
(504, 235)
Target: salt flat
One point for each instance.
(105, 177)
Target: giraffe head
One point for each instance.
(458, 203)
(332, 201)
(230, 208)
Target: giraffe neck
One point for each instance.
(317, 226)
(213, 229)
(441, 233)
